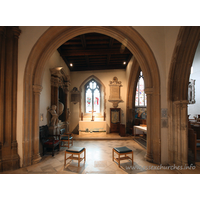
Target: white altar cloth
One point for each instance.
(92, 126)
(140, 130)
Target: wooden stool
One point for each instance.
(122, 151)
(75, 151)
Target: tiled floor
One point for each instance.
(99, 161)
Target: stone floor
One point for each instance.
(99, 161)
(101, 136)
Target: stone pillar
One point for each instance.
(177, 134)
(149, 92)
(8, 100)
(181, 132)
(16, 33)
(184, 133)
(2, 71)
(35, 138)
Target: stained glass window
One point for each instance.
(140, 96)
(92, 97)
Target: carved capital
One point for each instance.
(16, 32)
(148, 91)
(181, 103)
(37, 89)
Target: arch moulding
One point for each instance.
(48, 43)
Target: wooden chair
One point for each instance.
(66, 139)
(193, 142)
(49, 141)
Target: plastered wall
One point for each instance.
(77, 78)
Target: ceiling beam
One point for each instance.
(110, 46)
(88, 52)
(92, 68)
(83, 41)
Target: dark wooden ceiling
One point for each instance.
(94, 51)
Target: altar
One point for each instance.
(140, 130)
(92, 126)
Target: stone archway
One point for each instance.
(178, 80)
(42, 51)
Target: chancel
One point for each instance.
(109, 80)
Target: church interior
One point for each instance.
(103, 88)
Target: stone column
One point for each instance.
(180, 132)
(184, 133)
(8, 92)
(2, 71)
(36, 155)
(177, 133)
(149, 92)
(16, 33)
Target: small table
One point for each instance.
(122, 151)
(75, 151)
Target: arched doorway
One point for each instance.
(44, 48)
(178, 80)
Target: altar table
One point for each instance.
(92, 126)
(140, 130)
